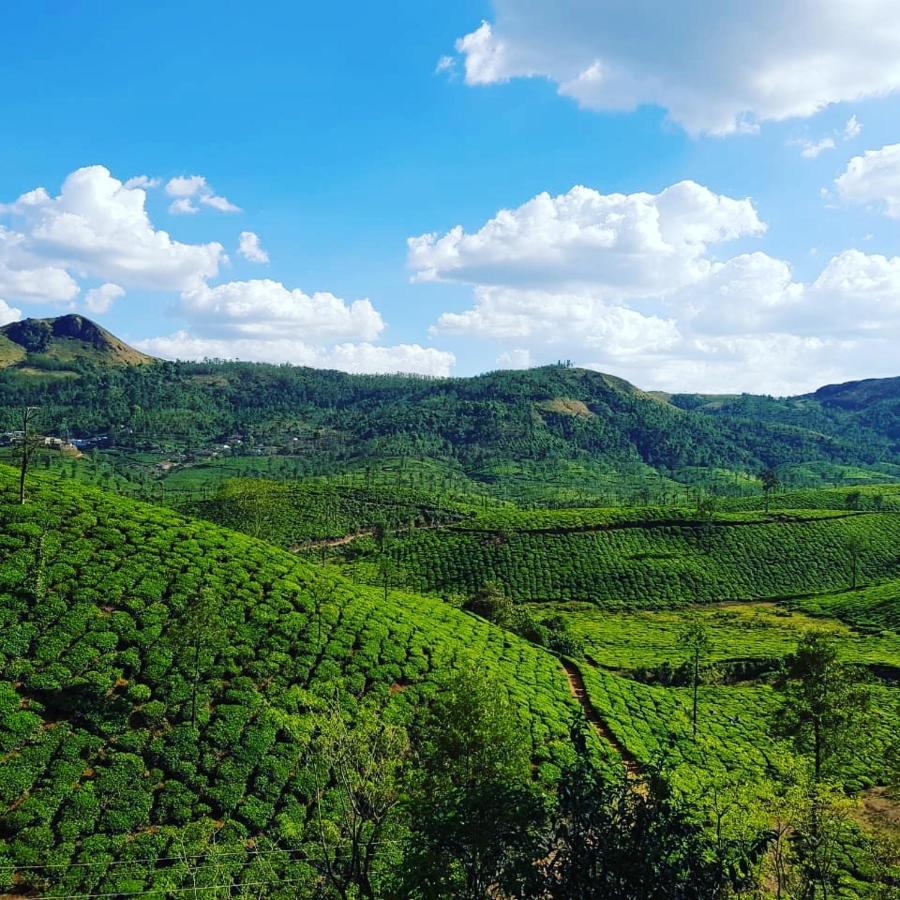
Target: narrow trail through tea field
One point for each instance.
(333, 542)
(576, 685)
(356, 535)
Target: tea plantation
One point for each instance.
(158, 680)
(641, 560)
(294, 514)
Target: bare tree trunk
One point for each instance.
(27, 415)
(696, 691)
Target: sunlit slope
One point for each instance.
(653, 558)
(872, 608)
(101, 762)
(34, 345)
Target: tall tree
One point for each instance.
(856, 547)
(615, 840)
(694, 636)
(824, 704)
(770, 481)
(28, 446)
(476, 816)
(360, 757)
(203, 626)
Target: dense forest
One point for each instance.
(541, 417)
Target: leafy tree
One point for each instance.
(824, 704)
(476, 816)
(694, 635)
(856, 547)
(358, 765)
(852, 499)
(492, 604)
(823, 829)
(770, 481)
(323, 590)
(202, 621)
(615, 840)
(28, 445)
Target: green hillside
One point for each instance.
(129, 742)
(642, 558)
(324, 561)
(555, 434)
(61, 345)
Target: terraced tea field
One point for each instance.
(123, 753)
(626, 559)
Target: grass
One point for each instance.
(633, 640)
(875, 608)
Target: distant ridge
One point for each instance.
(859, 394)
(50, 345)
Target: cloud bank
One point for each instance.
(629, 284)
(712, 70)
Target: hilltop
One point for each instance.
(56, 345)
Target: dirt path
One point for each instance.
(356, 535)
(576, 685)
(333, 542)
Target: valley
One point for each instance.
(245, 582)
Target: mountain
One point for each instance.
(859, 395)
(54, 345)
(556, 431)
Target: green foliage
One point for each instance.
(614, 841)
(477, 815)
(649, 564)
(555, 433)
(825, 708)
(300, 514)
(215, 762)
(873, 609)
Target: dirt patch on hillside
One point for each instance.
(565, 407)
(879, 810)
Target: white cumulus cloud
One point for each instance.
(560, 321)
(813, 149)
(266, 309)
(95, 227)
(873, 177)
(614, 244)
(852, 129)
(143, 181)
(517, 358)
(188, 190)
(8, 313)
(251, 249)
(712, 69)
(630, 287)
(348, 357)
(100, 299)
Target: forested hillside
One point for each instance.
(554, 433)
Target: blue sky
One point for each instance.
(333, 131)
